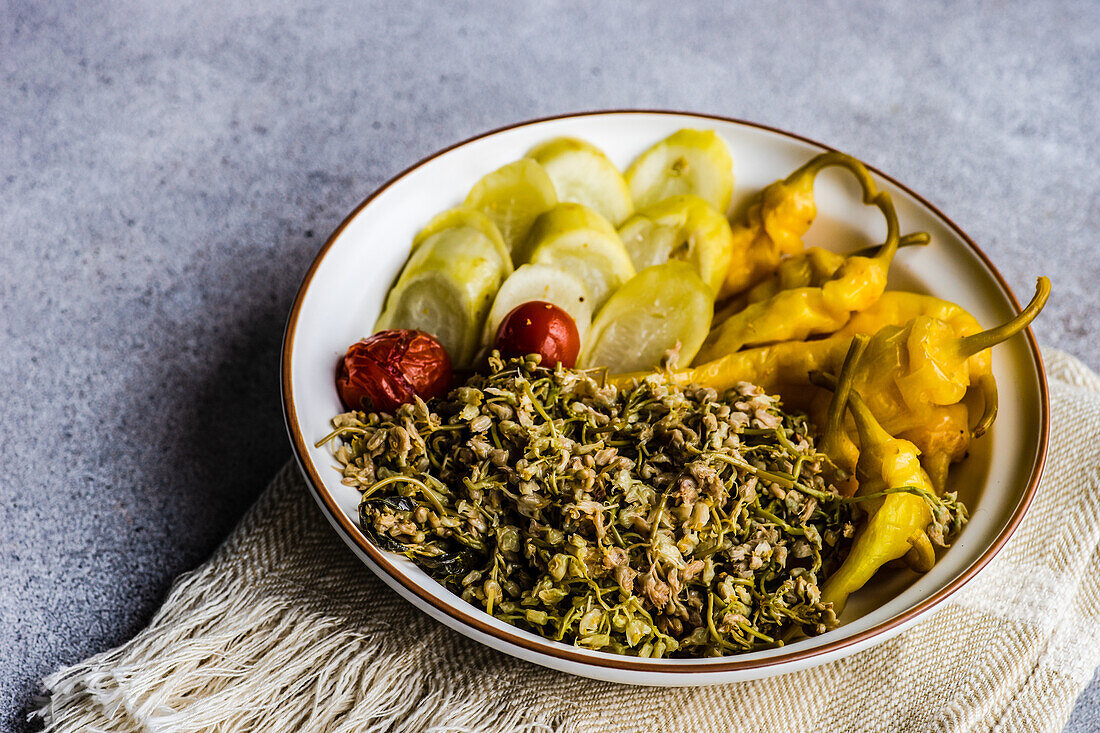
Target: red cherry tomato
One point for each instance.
(383, 372)
(540, 328)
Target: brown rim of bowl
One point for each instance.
(530, 642)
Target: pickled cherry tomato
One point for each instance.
(383, 372)
(540, 328)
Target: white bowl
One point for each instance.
(342, 294)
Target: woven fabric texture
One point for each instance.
(283, 629)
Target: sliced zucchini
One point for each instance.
(687, 161)
(582, 174)
(662, 308)
(681, 228)
(446, 289)
(464, 216)
(513, 196)
(545, 283)
(577, 240)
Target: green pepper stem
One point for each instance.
(890, 247)
(871, 194)
(820, 162)
(913, 239)
(870, 430)
(987, 385)
(970, 345)
(839, 402)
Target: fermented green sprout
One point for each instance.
(658, 521)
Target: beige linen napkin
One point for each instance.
(285, 630)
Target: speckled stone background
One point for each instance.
(167, 174)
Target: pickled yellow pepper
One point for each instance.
(796, 313)
(842, 451)
(944, 438)
(897, 520)
(915, 376)
(814, 267)
(897, 307)
(923, 363)
(781, 368)
(777, 218)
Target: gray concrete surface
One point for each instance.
(167, 173)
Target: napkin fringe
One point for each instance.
(210, 647)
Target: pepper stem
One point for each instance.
(889, 247)
(871, 194)
(835, 416)
(834, 158)
(870, 429)
(913, 239)
(974, 343)
(988, 388)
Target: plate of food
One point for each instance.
(663, 398)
